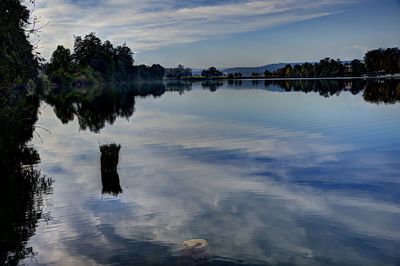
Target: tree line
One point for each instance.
(95, 61)
(182, 72)
(376, 62)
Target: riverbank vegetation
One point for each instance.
(19, 63)
(376, 62)
(94, 62)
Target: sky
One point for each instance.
(225, 33)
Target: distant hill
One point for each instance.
(247, 71)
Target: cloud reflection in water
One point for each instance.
(256, 193)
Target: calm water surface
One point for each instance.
(266, 176)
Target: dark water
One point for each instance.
(285, 173)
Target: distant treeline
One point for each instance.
(376, 62)
(96, 62)
(179, 72)
(182, 72)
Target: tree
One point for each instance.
(95, 62)
(391, 58)
(211, 72)
(296, 71)
(124, 62)
(178, 72)
(89, 51)
(61, 59)
(237, 75)
(18, 63)
(155, 72)
(357, 67)
(383, 60)
(288, 70)
(373, 60)
(307, 70)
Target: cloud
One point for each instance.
(362, 48)
(147, 25)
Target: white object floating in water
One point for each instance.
(195, 247)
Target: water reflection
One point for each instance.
(94, 107)
(212, 85)
(373, 91)
(23, 186)
(284, 185)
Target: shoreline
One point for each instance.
(192, 79)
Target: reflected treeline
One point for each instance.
(211, 85)
(373, 91)
(180, 86)
(236, 82)
(109, 174)
(23, 185)
(385, 91)
(94, 107)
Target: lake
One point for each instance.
(268, 173)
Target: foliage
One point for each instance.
(96, 62)
(358, 68)
(149, 73)
(380, 61)
(178, 72)
(18, 64)
(211, 72)
(383, 60)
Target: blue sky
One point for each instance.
(201, 33)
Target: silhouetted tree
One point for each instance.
(178, 73)
(124, 63)
(95, 62)
(267, 73)
(357, 67)
(373, 60)
(18, 62)
(60, 59)
(211, 72)
(90, 51)
(383, 60)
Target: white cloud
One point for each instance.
(146, 25)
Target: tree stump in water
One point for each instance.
(109, 175)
